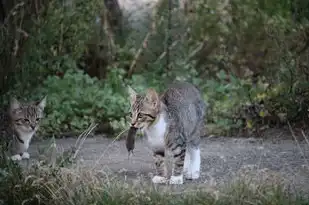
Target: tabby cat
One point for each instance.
(24, 120)
(172, 122)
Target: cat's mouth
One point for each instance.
(27, 129)
(142, 125)
(137, 127)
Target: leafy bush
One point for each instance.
(76, 100)
(245, 56)
(250, 57)
(55, 38)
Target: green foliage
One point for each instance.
(77, 100)
(244, 52)
(54, 40)
(244, 55)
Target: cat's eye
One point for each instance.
(140, 115)
(148, 115)
(38, 119)
(26, 120)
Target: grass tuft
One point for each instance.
(54, 182)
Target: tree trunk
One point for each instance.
(2, 11)
(114, 17)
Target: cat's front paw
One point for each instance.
(16, 157)
(176, 179)
(159, 180)
(25, 155)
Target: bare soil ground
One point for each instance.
(222, 159)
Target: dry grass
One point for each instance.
(82, 186)
(56, 182)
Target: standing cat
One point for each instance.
(24, 121)
(174, 121)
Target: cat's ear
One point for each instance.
(42, 103)
(14, 104)
(153, 97)
(132, 94)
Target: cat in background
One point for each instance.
(172, 122)
(23, 121)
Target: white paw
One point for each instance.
(191, 176)
(193, 170)
(25, 155)
(176, 179)
(16, 157)
(159, 180)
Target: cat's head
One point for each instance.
(144, 108)
(26, 117)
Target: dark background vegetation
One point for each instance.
(250, 59)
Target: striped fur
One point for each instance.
(173, 121)
(24, 122)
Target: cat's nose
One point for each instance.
(32, 127)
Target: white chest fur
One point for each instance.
(156, 132)
(26, 137)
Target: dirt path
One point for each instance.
(221, 158)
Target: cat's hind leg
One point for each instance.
(187, 163)
(195, 163)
